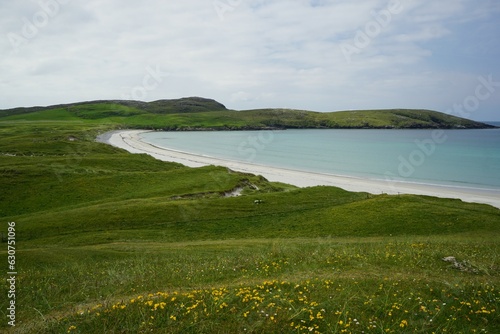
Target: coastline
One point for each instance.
(130, 141)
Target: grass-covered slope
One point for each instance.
(183, 105)
(111, 242)
(200, 113)
(366, 119)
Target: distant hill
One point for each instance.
(196, 113)
(183, 105)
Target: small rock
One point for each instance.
(449, 259)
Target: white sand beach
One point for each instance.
(130, 140)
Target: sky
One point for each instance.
(321, 55)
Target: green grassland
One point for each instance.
(112, 242)
(199, 113)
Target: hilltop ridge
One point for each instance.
(197, 113)
(182, 105)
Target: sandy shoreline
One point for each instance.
(130, 140)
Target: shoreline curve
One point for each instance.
(130, 141)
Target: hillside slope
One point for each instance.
(113, 242)
(195, 113)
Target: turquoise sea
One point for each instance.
(465, 158)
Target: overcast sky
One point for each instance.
(321, 55)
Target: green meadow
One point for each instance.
(113, 242)
(196, 113)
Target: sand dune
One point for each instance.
(130, 140)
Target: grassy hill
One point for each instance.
(200, 113)
(112, 242)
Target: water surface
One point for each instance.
(465, 158)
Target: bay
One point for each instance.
(464, 158)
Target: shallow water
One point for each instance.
(469, 158)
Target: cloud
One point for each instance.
(250, 53)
